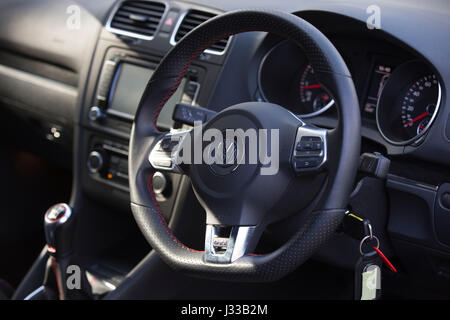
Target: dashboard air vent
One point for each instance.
(138, 19)
(191, 20)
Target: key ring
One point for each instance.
(364, 239)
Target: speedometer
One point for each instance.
(408, 103)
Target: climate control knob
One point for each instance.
(95, 162)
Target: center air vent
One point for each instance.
(191, 20)
(138, 19)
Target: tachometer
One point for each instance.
(312, 95)
(408, 103)
(285, 77)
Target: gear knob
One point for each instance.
(59, 226)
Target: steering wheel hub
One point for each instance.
(257, 139)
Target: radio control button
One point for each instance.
(95, 161)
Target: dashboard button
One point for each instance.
(95, 113)
(170, 21)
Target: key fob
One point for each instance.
(368, 277)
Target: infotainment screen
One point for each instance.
(126, 91)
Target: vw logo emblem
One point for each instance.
(229, 154)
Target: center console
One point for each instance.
(121, 68)
(107, 242)
(121, 83)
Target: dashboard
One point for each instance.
(89, 81)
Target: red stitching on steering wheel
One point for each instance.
(185, 68)
(161, 217)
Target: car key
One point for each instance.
(356, 226)
(368, 266)
(368, 273)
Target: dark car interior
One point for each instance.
(92, 92)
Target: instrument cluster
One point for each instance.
(402, 98)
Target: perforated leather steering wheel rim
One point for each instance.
(331, 72)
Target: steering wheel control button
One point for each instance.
(301, 163)
(310, 147)
(167, 144)
(165, 153)
(309, 152)
(165, 163)
(309, 143)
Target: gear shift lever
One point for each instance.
(59, 227)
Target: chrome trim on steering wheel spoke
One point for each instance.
(310, 158)
(226, 249)
(165, 157)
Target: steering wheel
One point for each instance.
(240, 201)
